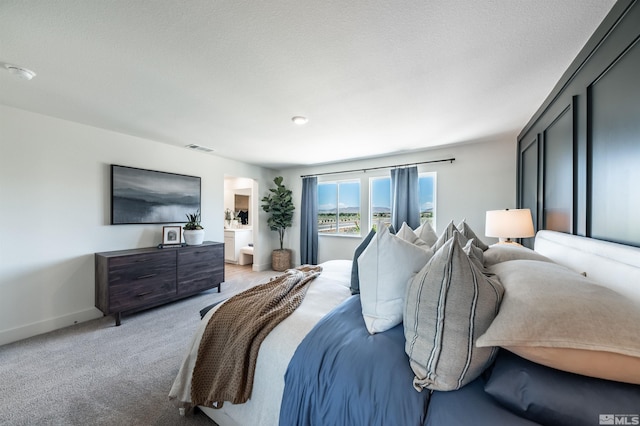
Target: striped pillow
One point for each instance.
(446, 234)
(449, 304)
(466, 230)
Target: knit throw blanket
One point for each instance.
(226, 361)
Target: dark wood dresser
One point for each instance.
(131, 280)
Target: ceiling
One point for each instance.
(373, 77)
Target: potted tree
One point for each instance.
(279, 204)
(193, 231)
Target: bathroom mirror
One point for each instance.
(241, 205)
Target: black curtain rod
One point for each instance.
(366, 169)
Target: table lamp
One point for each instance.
(509, 223)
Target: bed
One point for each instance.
(322, 364)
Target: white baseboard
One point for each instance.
(261, 267)
(45, 326)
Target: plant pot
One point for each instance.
(193, 237)
(281, 259)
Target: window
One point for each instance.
(380, 199)
(427, 188)
(339, 208)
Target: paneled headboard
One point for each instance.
(578, 156)
(616, 266)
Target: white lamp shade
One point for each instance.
(506, 224)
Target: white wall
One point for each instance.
(54, 207)
(483, 177)
(55, 213)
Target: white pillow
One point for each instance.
(409, 236)
(426, 233)
(385, 267)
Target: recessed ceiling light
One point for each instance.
(199, 147)
(299, 120)
(20, 72)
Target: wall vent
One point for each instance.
(199, 148)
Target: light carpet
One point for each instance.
(94, 373)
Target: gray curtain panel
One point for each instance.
(405, 198)
(309, 221)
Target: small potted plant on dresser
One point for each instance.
(193, 231)
(280, 204)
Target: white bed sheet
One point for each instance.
(263, 408)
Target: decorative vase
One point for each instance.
(281, 259)
(193, 237)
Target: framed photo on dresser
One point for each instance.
(171, 235)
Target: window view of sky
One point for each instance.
(349, 196)
(426, 184)
(380, 194)
(339, 204)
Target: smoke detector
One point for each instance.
(20, 72)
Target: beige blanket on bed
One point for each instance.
(229, 347)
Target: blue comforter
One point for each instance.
(342, 375)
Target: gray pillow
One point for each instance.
(554, 316)
(448, 305)
(466, 230)
(446, 235)
(502, 252)
(355, 279)
(475, 253)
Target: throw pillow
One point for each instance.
(447, 233)
(449, 303)
(385, 267)
(355, 279)
(426, 233)
(561, 319)
(409, 236)
(503, 252)
(474, 252)
(552, 397)
(466, 230)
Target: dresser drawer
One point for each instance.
(200, 269)
(141, 292)
(123, 270)
(197, 257)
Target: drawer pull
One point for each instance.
(143, 294)
(142, 260)
(146, 276)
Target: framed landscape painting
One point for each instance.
(140, 196)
